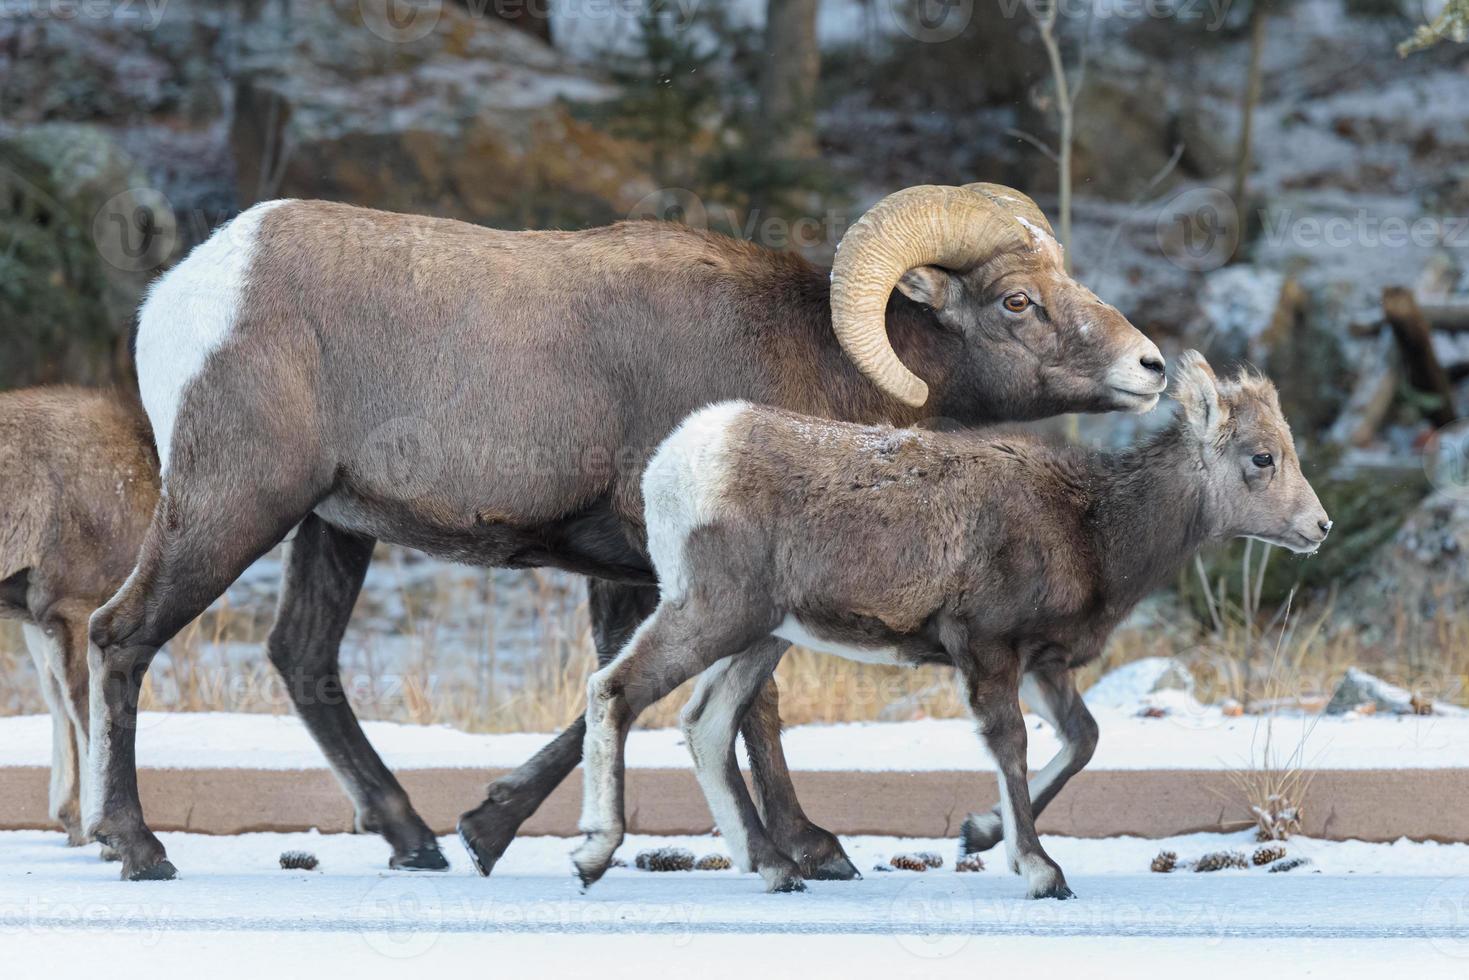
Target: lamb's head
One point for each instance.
(982, 256)
(1252, 475)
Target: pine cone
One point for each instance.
(1289, 864)
(931, 858)
(713, 862)
(969, 862)
(298, 861)
(665, 859)
(1165, 862)
(1267, 855)
(1219, 860)
(909, 862)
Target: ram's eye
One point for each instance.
(1017, 302)
(1263, 460)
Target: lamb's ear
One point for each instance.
(1196, 390)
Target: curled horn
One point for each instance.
(951, 227)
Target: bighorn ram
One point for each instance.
(78, 484)
(1007, 559)
(492, 397)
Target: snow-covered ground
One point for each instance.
(1199, 739)
(1356, 908)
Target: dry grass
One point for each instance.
(410, 673)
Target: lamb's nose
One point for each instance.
(1325, 526)
(1153, 363)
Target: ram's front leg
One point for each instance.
(1052, 694)
(992, 678)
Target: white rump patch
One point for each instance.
(188, 315)
(682, 487)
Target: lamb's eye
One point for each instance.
(1017, 302)
(1263, 460)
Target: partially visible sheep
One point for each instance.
(78, 483)
(1010, 560)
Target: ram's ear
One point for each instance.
(926, 284)
(1196, 390)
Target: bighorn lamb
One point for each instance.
(78, 484)
(1010, 560)
(492, 397)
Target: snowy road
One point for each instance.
(1352, 890)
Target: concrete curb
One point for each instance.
(1366, 804)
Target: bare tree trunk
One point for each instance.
(1249, 99)
(788, 81)
(1415, 342)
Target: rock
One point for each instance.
(81, 238)
(474, 120)
(1156, 686)
(1359, 688)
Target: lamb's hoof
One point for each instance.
(980, 832)
(819, 855)
(593, 857)
(485, 832)
(75, 836)
(162, 871)
(425, 857)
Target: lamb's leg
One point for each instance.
(710, 719)
(65, 790)
(1052, 694)
(676, 643)
(994, 696)
(325, 568)
(616, 611)
(817, 852)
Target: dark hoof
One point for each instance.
(819, 855)
(425, 858)
(784, 882)
(980, 832)
(162, 871)
(1058, 891)
(485, 832)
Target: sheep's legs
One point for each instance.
(723, 694)
(616, 611)
(817, 852)
(211, 523)
(65, 795)
(677, 643)
(1052, 694)
(994, 697)
(325, 567)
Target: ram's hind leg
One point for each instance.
(818, 852)
(710, 720)
(677, 643)
(1052, 694)
(616, 612)
(325, 567)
